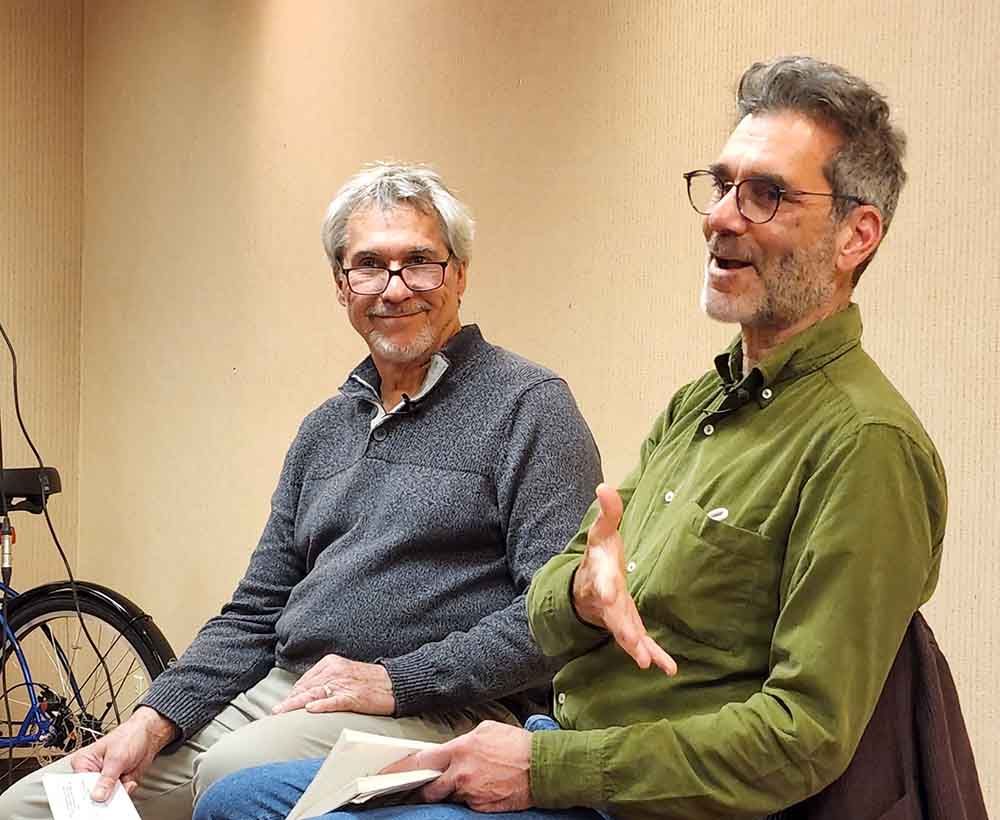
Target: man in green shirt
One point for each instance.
(783, 524)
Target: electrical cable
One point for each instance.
(52, 532)
(5, 525)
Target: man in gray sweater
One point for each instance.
(387, 591)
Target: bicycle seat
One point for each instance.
(26, 487)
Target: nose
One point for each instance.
(725, 217)
(396, 290)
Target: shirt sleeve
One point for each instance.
(235, 649)
(554, 622)
(546, 473)
(861, 558)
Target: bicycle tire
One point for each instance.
(66, 672)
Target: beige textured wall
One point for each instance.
(41, 176)
(216, 133)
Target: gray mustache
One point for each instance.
(388, 313)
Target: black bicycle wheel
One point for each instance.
(83, 698)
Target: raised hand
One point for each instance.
(600, 594)
(336, 684)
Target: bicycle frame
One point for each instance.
(35, 727)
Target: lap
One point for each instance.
(452, 811)
(301, 735)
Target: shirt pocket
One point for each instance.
(713, 582)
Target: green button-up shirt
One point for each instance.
(781, 529)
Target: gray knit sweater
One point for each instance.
(410, 544)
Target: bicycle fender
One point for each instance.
(130, 611)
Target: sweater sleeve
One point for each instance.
(235, 649)
(545, 478)
(860, 560)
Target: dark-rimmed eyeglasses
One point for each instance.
(369, 280)
(757, 198)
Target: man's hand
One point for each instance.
(600, 594)
(125, 752)
(336, 684)
(489, 769)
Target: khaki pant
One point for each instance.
(243, 734)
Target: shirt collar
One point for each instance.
(813, 348)
(364, 381)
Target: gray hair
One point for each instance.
(389, 185)
(869, 163)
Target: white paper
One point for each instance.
(355, 755)
(69, 799)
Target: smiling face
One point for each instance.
(780, 273)
(400, 326)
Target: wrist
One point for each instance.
(576, 594)
(161, 731)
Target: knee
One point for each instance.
(263, 792)
(227, 798)
(212, 804)
(218, 761)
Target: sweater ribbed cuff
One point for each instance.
(414, 684)
(187, 713)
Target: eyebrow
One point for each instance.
(722, 171)
(425, 250)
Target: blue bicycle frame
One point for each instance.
(35, 727)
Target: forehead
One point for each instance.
(374, 228)
(784, 144)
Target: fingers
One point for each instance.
(338, 703)
(300, 699)
(85, 760)
(629, 632)
(606, 524)
(314, 676)
(660, 657)
(436, 759)
(439, 789)
(104, 787)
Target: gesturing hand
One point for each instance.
(488, 769)
(336, 684)
(600, 594)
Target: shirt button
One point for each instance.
(708, 429)
(561, 698)
(379, 434)
(766, 393)
(630, 566)
(668, 496)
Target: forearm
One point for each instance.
(235, 649)
(494, 659)
(219, 665)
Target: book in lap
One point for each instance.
(350, 773)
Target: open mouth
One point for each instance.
(729, 264)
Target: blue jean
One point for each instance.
(269, 792)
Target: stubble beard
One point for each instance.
(417, 348)
(793, 286)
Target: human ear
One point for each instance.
(859, 235)
(340, 281)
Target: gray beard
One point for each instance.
(794, 285)
(401, 354)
